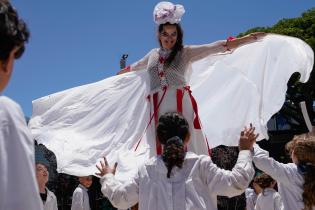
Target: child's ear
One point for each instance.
(187, 138)
(7, 65)
(6, 68)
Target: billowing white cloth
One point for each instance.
(82, 124)
(18, 185)
(195, 186)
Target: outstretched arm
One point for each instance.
(141, 64)
(232, 183)
(121, 195)
(235, 43)
(275, 169)
(197, 52)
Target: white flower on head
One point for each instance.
(168, 12)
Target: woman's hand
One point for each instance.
(105, 169)
(125, 70)
(248, 138)
(252, 37)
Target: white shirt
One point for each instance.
(290, 181)
(18, 185)
(195, 186)
(51, 201)
(80, 199)
(251, 198)
(269, 199)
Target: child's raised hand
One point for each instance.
(105, 169)
(248, 138)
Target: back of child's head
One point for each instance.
(13, 31)
(264, 181)
(298, 138)
(172, 130)
(304, 151)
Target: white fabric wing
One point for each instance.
(247, 86)
(83, 124)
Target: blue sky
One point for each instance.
(75, 42)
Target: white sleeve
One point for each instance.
(77, 200)
(258, 203)
(197, 52)
(18, 185)
(230, 183)
(275, 169)
(121, 195)
(141, 64)
(278, 202)
(250, 205)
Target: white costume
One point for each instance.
(251, 198)
(18, 185)
(109, 117)
(169, 90)
(194, 186)
(80, 199)
(290, 181)
(51, 201)
(270, 199)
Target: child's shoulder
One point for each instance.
(192, 157)
(153, 160)
(7, 103)
(189, 158)
(9, 108)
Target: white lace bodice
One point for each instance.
(176, 74)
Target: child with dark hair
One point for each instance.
(18, 186)
(178, 179)
(49, 199)
(296, 183)
(80, 197)
(269, 198)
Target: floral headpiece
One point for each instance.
(168, 12)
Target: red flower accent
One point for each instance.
(230, 38)
(162, 74)
(162, 60)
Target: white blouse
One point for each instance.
(80, 199)
(18, 185)
(195, 186)
(251, 198)
(269, 199)
(51, 201)
(290, 181)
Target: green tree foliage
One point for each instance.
(303, 28)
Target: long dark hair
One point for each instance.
(13, 31)
(179, 42)
(172, 130)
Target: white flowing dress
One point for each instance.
(111, 117)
